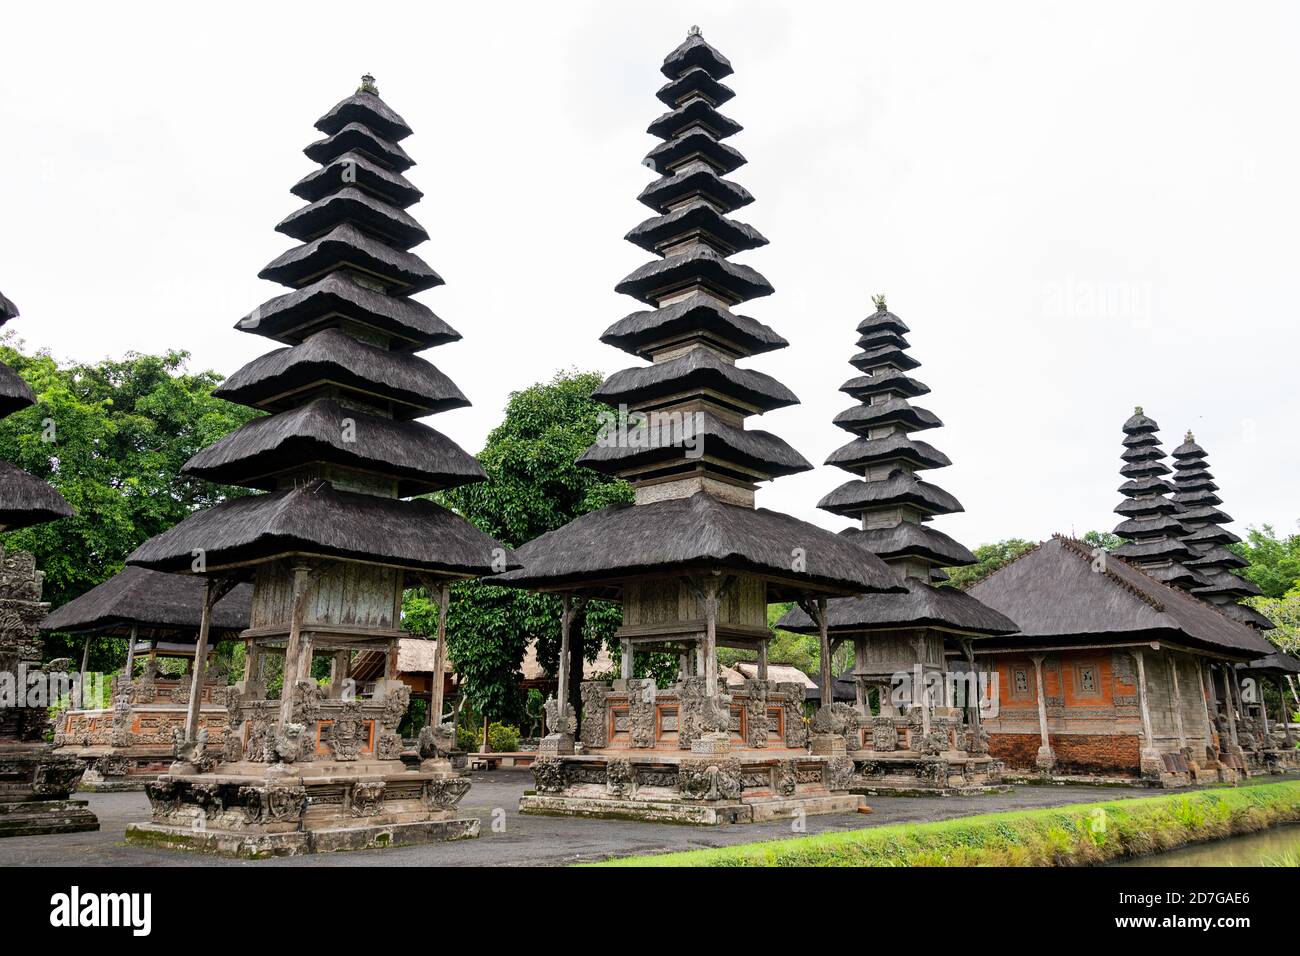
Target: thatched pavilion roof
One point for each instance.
(15, 394)
(157, 605)
(924, 605)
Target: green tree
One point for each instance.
(1274, 562)
(988, 558)
(1102, 539)
(533, 486)
(112, 437)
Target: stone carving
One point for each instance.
(112, 765)
(367, 798)
(710, 779)
(838, 720)
(437, 741)
(164, 796)
(641, 711)
(554, 723)
(701, 714)
(620, 778)
(932, 773)
(446, 792)
(756, 726)
(347, 732)
(796, 730)
(57, 777)
(786, 777)
(839, 772)
(884, 734)
(976, 740)
(595, 720)
(287, 742)
(549, 774)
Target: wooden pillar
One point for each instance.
(1263, 714)
(973, 704)
(200, 662)
(130, 654)
(1286, 718)
(439, 659)
(762, 660)
(562, 685)
(1178, 702)
(1206, 695)
(340, 671)
(1149, 740)
(1294, 695)
(683, 665)
(1229, 705)
(1046, 756)
(293, 648)
(824, 641)
(252, 661)
(625, 660)
(711, 638)
(85, 667)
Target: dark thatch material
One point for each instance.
(1278, 664)
(692, 316)
(856, 496)
(697, 370)
(15, 394)
(862, 387)
(1142, 453)
(896, 447)
(1157, 549)
(694, 144)
(861, 418)
(1205, 515)
(1176, 575)
(7, 309)
(1139, 422)
(1247, 615)
(694, 218)
(1225, 582)
(1054, 595)
(156, 604)
(694, 80)
(882, 337)
(1146, 486)
(750, 449)
(1198, 498)
(883, 355)
(695, 114)
(1216, 556)
(293, 317)
(356, 138)
(699, 265)
(1148, 506)
(316, 519)
(1189, 449)
(1211, 533)
(279, 379)
(392, 187)
(368, 110)
(25, 500)
(388, 223)
(695, 179)
(911, 540)
(694, 52)
(923, 605)
(699, 533)
(346, 246)
(1139, 469)
(422, 459)
(882, 319)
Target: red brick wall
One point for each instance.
(1075, 753)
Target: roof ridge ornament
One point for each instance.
(1189, 437)
(694, 31)
(879, 302)
(368, 85)
(1137, 410)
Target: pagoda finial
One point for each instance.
(1189, 437)
(368, 85)
(694, 31)
(879, 302)
(1137, 409)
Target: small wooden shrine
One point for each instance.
(331, 541)
(130, 742)
(693, 562)
(924, 731)
(35, 783)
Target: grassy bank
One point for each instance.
(1077, 834)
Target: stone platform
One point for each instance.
(35, 790)
(942, 774)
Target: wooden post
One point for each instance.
(130, 654)
(562, 672)
(1228, 704)
(861, 695)
(200, 662)
(973, 705)
(1294, 695)
(1206, 694)
(252, 661)
(625, 659)
(85, 667)
(1286, 718)
(1178, 703)
(1149, 741)
(484, 749)
(293, 648)
(824, 642)
(436, 689)
(762, 660)
(711, 638)
(1046, 756)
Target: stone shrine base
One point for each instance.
(749, 786)
(38, 817)
(35, 787)
(904, 773)
(255, 810)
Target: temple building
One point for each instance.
(331, 540)
(35, 783)
(923, 733)
(130, 742)
(693, 562)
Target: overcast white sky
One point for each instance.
(1077, 209)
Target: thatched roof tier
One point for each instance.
(1140, 438)
(1196, 499)
(694, 82)
(910, 539)
(883, 380)
(25, 500)
(696, 220)
(355, 138)
(1056, 598)
(696, 372)
(694, 52)
(1177, 575)
(1195, 480)
(896, 411)
(1247, 615)
(1216, 556)
(157, 605)
(1142, 469)
(1161, 526)
(317, 520)
(15, 394)
(1148, 505)
(1146, 452)
(694, 318)
(1211, 534)
(881, 337)
(861, 452)
(694, 114)
(1146, 486)
(1189, 449)
(355, 169)
(696, 534)
(325, 432)
(694, 144)
(882, 319)
(7, 309)
(858, 496)
(674, 443)
(1278, 664)
(367, 109)
(1156, 549)
(698, 266)
(347, 247)
(923, 605)
(1222, 581)
(694, 179)
(1138, 422)
(331, 359)
(890, 355)
(385, 221)
(339, 300)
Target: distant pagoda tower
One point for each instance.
(1151, 526)
(35, 784)
(930, 745)
(693, 562)
(330, 543)
(1206, 538)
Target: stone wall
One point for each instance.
(1103, 754)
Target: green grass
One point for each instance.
(1073, 835)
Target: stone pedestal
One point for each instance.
(1046, 759)
(827, 745)
(556, 744)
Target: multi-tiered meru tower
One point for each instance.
(34, 783)
(925, 734)
(330, 543)
(693, 562)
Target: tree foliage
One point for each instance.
(988, 558)
(1274, 562)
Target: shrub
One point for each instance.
(503, 738)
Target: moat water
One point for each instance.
(1265, 848)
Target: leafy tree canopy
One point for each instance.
(988, 558)
(1274, 562)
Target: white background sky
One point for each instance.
(1077, 209)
